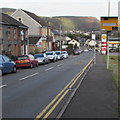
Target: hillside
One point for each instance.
(74, 23)
(67, 22)
(8, 11)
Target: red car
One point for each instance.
(26, 61)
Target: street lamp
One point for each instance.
(47, 35)
(60, 39)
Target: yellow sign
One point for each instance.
(104, 37)
(109, 23)
(113, 42)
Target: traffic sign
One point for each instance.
(109, 23)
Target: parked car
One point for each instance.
(80, 50)
(51, 56)
(26, 61)
(59, 55)
(65, 54)
(7, 65)
(42, 58)
(86, 50)
(76, 52)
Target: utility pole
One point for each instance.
(60, 39)
(47, 35)
(108, 54)
(108, 8)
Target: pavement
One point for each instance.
(97, 97)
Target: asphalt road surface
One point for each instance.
(26, 93)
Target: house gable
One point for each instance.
(34, 26)
(22, 12)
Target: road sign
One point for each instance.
(113, 42)
(104, 43)
(109, 23)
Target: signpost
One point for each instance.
(104, 43)
(108, 24)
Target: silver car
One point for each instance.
(42, 58)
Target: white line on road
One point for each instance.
(49, 69)
(3, 86)
(28, 76)
(59, 65)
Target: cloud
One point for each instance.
(95, 8)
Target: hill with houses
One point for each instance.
(67, 22)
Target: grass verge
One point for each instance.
(114, 68)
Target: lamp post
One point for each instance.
(47, 35)
(60, 39)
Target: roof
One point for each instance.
(36, 18)
(8, 20)
(34, 40)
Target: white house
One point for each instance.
(74, 42)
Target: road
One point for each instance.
(26, 93)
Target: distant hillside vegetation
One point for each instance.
(8, 11)
(67, 22)
(74, 23)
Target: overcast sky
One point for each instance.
(95, 8)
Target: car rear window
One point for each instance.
(64, 52)
(40, 55)
(58, 53)
(49, 53)
(22, 57)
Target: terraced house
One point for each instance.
(13, 36)
(39, 33)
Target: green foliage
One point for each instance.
(35, 51)
(77, 35)
(116, 34)
(70, 48)
(73, 23)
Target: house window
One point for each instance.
(1, 36)
(26, 34)
(15, 33)
(22, 34)
(8, 32)
(20, 19)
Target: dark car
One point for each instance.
(7, 65)
(26, 61)
(76, 52)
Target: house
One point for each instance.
(13, 36)
(59, 39)
(74, 43)
(38, 29)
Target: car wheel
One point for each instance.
(31, 65)
(43, 62)
(14, 69)
(37, 65)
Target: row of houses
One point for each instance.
(24, 32)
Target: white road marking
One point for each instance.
(59, 65)
(28, 76)
(3, 86)
(49, 69)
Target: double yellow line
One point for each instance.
(58, 99)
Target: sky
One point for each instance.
(95, 8)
